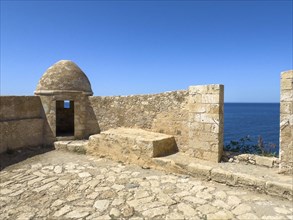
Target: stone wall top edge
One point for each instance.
(286, 71)
(58, 92)
(19, 96)
(287, 74)
(220, 85)
(142, 95)
(19, 107)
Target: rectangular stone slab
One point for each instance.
(137, 141)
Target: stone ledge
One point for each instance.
(78, 146)
(209, 171)
(200, 170)
(280, 189)
(21, 133)
(222, 176)
(252, 159)
(229, 175)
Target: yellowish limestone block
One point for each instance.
(127, 141)
(206, 121)
(286, 122)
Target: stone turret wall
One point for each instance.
(83, 126)
(21, 122)
(286, 122)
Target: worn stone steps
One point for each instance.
(78, 146)
(65, 138)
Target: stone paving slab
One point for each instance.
(64, 185)
(263, 179)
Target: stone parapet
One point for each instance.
(206, 121)
(165, 113)
(21, 122)
(20, 133)
(286, 122)
(20, 107)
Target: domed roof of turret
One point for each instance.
(64, 76)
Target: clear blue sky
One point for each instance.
(139, 47)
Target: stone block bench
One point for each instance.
(126, 143)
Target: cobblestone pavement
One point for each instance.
(61, 185)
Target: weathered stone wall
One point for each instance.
(165, 113)
(194, 117)
(19, 107)
(206, 121)
(286, 122)
(21, 122)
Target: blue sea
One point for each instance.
(253, 120)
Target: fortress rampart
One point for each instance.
(194, 116)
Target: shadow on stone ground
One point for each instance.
(15, 156)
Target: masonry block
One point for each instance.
(286, 95)
(206, 121)
(286, 122)
(286, 107)
(124, 142)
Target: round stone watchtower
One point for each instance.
(64, 89)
